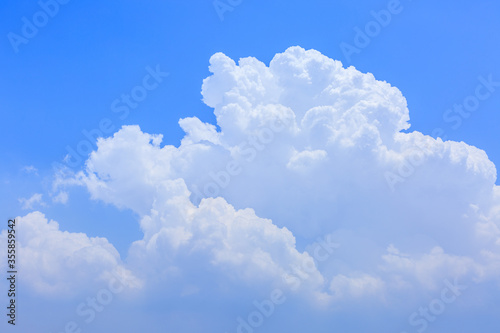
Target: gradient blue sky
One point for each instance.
(65, 79)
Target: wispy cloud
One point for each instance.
(30, 170)
(30, 203)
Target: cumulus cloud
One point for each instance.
(306, 148)
(430, 269)
(237, 243)
(58, 263)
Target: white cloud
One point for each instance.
(60, 264)
(303, 150)
(343, 286)
(35, 199)
(30, 169)
(61, 197)
(236, 242)
(306, 159)
(431, 268)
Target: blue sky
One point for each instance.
(65, 79)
